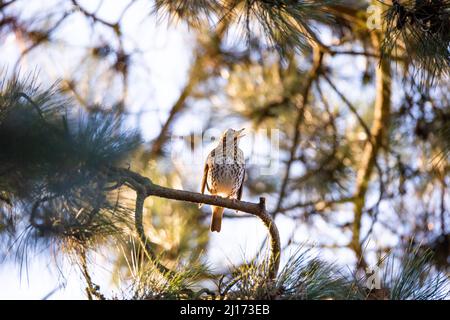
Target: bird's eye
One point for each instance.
(213, 138)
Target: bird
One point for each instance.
(224, 172)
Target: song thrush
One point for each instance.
(224, 172)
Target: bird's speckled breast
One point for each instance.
(225, 174)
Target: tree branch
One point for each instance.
(313, 73)
(146, 243)
(144, 188)
(93, 16)
(373, 145)
(196, 74)
(92, 290)
(3, 5)
(349, 105)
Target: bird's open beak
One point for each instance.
(240, 133)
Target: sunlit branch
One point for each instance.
(374, 143)
(144, 188)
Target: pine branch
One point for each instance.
(138, 222)
(95, 18)
(194, 12)
(197, 73)
(303, 277)
(4, 4)
(285, 25)
(373, 145)
(421, 27)
(313, 74)
(146, 188)
(50, 160)
(349, 105)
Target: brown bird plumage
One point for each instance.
(224, 172)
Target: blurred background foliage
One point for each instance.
(357, 92)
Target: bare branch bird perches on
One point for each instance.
(144, 188)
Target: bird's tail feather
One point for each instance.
(216, 218)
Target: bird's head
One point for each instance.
(232, 135)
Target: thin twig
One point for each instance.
(349, 104)
(313, 73)
(197, 73)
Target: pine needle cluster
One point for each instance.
(419, 28)
(52, 163)
(282, 24)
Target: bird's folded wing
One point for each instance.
(239, 193)
(205, 177)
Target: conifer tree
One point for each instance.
(363, 152)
